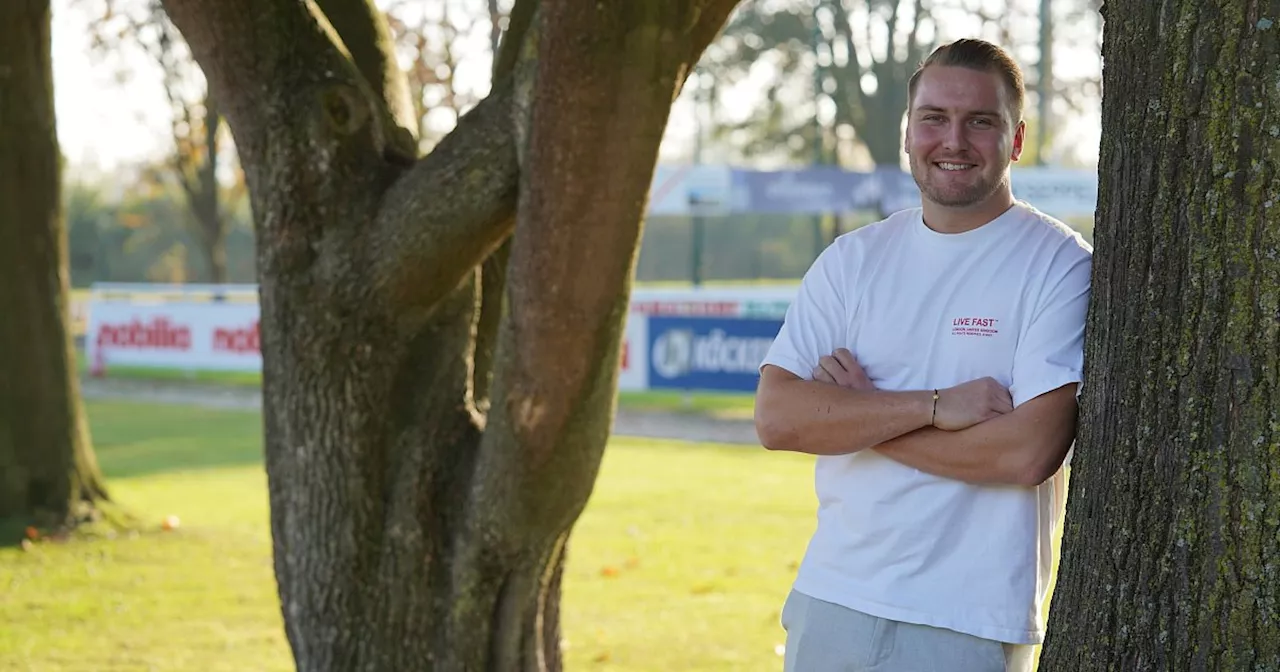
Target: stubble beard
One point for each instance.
(966, 197)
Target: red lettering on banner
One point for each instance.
(710, 308)
(237, 340)
(158, 334)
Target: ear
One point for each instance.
(1018, 137)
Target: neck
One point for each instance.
(951, 219)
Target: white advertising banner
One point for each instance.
(1057, 191)
(221, 336)
(206, 335)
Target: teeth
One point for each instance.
(954, 166)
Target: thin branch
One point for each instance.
(518, 27)
(364, 32)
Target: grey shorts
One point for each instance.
(826, 637)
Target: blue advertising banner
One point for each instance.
(811, 190)
(708, 353)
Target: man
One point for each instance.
(931, 361)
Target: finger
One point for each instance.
(820, 374)
(1006, 403)
(839, 374)
(833, 369)
(846, 359)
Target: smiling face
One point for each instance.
(961, 137)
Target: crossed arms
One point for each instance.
(975, 436)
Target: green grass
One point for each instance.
(723, 405)
(681, 560)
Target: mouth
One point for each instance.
(951, 167)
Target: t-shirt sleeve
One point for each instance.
(1050, 351)
(815, 323)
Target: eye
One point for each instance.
(933, 117)
(982, 123)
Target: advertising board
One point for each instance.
(708, 353)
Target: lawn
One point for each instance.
(723, 405)
(681, 560)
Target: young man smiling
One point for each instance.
(931, 361)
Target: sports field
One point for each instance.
(680, 562)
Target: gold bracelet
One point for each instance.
(934, 419)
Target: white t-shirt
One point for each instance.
(923, 310)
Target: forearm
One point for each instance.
(822, 419)
(1024, 448)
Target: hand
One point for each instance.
(842, 368)
(966, 405)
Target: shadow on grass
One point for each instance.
(12, 531)
(132, 439)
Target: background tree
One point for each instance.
(199, 153)
(422, 490)
(438, 42)
(822, 53)
(1172, 539)
(48, 473)
(832, 74)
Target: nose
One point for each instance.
(955, 138)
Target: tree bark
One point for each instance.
(48, 473)
(1172, 540)
(415, 526)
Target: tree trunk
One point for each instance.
(48, 474)
(416, 526)
(208, 213)
(1171, 550)
(203, 196)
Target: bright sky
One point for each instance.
(100, 121)
(104, 124)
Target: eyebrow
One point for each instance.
(978, 113)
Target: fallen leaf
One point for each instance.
(33, 533)
(609, 572)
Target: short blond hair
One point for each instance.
(982, 56)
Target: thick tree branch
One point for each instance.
(249, 51)
(250, 48)
(423, 249)
(447, 213)
(363, 30)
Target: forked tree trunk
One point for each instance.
(1171, 553)
(427, 450)
(48, 474)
